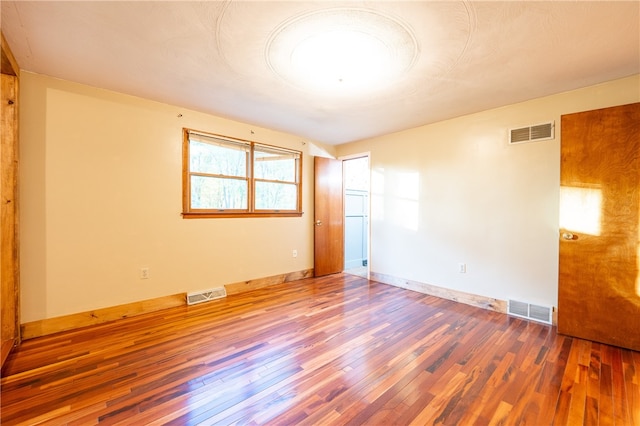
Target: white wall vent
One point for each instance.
(538, 132)
(206, 295)
(529, 311)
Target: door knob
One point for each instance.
(318, 222)
(567, 235)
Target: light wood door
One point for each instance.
(329, 217)
(599, 283)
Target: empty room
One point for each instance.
(320, 212)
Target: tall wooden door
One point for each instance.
(328, 220)
(599, 282)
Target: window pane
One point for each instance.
(276, 196)
(273, 165)
(217, 159)
(218, 193)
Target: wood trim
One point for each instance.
(209, 215)
(47, 326)
(483, 302)
(7, 345)
(244, 286)
(99, 316)
(9, 210)
(9, 65)
(186, 185)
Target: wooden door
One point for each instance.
(599, 283)
(9, 258)
(328, 220)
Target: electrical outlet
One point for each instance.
(294, 253)
(144, 273)
(462, 268)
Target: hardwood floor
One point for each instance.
(332, 350)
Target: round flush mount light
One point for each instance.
(341, 51)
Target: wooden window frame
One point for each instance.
(192, 213)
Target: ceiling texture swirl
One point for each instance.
(330, 71)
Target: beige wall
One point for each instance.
(456, 192)
(101, 198)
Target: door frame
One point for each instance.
(9, 158)
(344, 158)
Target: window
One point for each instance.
(226, 177)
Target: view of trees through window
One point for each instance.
(218, 176)
(222, 178)
(275, 173)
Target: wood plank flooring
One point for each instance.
(321, 351)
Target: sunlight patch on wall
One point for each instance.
(406, 194)
(377, 194)
(638, 282)
(408, 185)
(638, 268)
(581, 209)
(406, 214)
(397, 193)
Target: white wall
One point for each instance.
(455, 192)
(100, 194)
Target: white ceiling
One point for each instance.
(212, 56)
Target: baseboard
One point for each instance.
(69, 322)
(99, 316)
(244, 286)
(483, 302)
(47, 326)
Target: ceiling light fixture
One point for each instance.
(342, 51)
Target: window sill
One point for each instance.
(211, 215)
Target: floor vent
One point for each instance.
(529, 311)
(206, 295)
(539, 132)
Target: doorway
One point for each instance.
(356, 215)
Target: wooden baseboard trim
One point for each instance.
(47, 326)
(244, 286)
(483, 302)
(99, 316)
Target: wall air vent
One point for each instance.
(529, 311)
(206, 295)
(539, 132)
